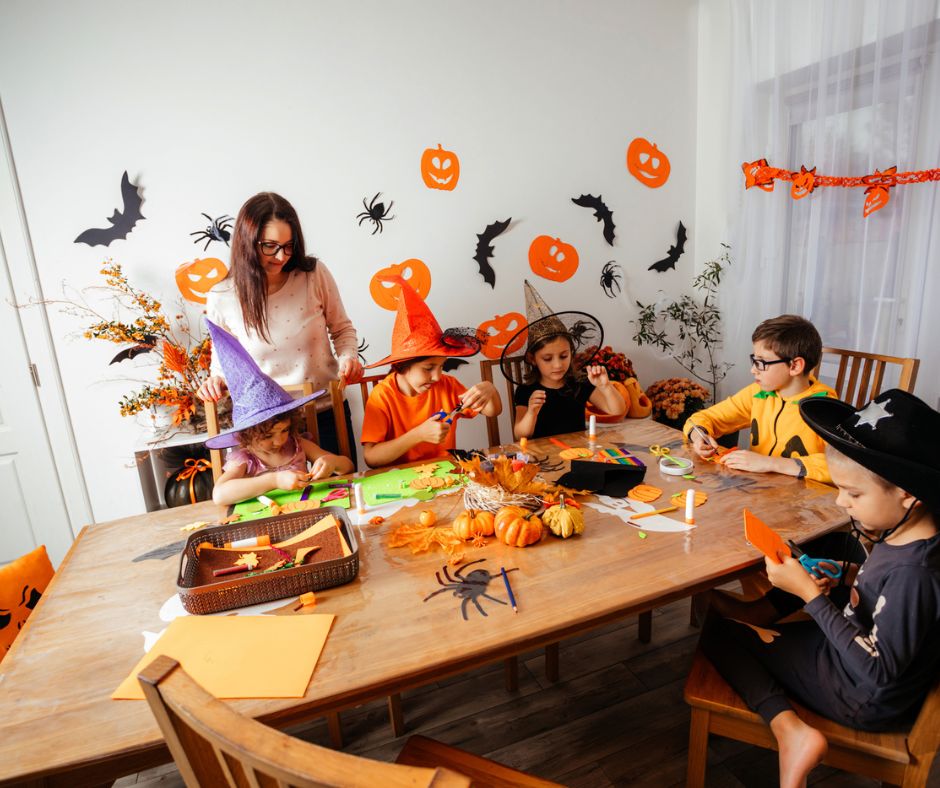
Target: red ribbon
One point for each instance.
(190, 468)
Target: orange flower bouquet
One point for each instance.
(675, 399)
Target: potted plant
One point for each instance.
(621, 374)
(675, 399)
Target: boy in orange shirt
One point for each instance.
(409, 414)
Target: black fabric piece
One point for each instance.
(607, 478)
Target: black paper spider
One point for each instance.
(469, 588)
(363, 347)
(375, 212)
(582, 331)
(610, 278)
(218, 230)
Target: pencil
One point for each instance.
(559, 443)
(655, 511)
(512, 599)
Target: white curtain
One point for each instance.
(846, 86)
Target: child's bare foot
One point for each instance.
(759, 612)
(801, 747)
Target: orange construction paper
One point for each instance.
(240, 656)
(644, 492)
(764, 538)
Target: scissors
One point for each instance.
(817, 567)
(663, 452)
(447, 418)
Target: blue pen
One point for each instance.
(816, 566)
(512, 599)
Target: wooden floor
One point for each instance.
(616, 717)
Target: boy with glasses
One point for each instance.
(785, 351)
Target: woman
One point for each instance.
(284, 308)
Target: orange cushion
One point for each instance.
(21, 584)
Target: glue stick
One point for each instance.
(690, 507)
(265, 500)
(252, 541)
(592, 426)
(360, 503)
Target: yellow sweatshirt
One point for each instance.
(777, 429)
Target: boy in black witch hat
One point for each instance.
(871, 664)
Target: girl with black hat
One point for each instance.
(870, 664)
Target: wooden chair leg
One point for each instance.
(511, 666)
(645, 627)
(551, 662)
(698, 749)
(395, 715)
(335, 726)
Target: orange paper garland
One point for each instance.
(877, 185)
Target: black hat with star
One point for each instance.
(896, 436)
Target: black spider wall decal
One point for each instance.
(611, 278)
(582, 331)
(375, 212)
(218, 230)
(363, 347)
(469, 588)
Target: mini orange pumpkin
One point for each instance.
(517, 527)
(553, 259)
(440, 168)
(498, 331)
(196, 278)
(413, 271)
(472, 523)
(427, 517)
(649, 165)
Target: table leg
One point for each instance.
(395, 715)
(512, 673)
(551, 662)
(645, 626)
(336, 729)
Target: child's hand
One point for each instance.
(703, 444)
(432, 431)
(323, 466)
(536, 401)
(478, 396)
(749, 461)
(597, 376)
(791, 576)
(212, 388)
(289, 480)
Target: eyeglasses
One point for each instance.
(762, 365)
(270, 248)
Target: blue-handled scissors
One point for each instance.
(817, 567)
(447, 418)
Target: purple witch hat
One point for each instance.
(255, 396)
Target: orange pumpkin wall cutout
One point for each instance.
(647, 163)
(440, 168)
(413, 271)
(195, 279)
(499, 331)
(551, 258)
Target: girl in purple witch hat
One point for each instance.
(269, 453)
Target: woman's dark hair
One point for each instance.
(531, 373)
(246, 270)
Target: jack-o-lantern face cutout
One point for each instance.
(553, 259)
(648, 164)
(803, 183)
(413, 271)
(440, 168)
(22, 583)
(497, 332)
(197, 278)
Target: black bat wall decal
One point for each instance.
(121, 223)
(146, 346)
(454, 363)
(601, 211)
(485, 251)
(672, 256)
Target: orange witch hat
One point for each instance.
(417, 332)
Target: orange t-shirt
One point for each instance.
(390, 414)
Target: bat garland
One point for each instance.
(674, 253)
(149, 343)
(878, 184)
(121, 222)
(601, 212)
(485, 251)
(454, 363)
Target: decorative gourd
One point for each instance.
(517, 527)
(189, 484)
(564, 521)
(471, 523)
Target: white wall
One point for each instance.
(325, 102)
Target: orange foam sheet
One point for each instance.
(764, 538)
(240, 656)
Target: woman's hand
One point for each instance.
(791, 576)
(212, 389)
(597, 376)
(350, 369)
(536, 401)
(479, 396)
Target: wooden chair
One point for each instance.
(214, 745)
(861, 375)
(335, 393)
(902, 758)
(486, 373)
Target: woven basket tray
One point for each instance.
(232, 592)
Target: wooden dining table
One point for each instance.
(59, 725)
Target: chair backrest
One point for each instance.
(212, 744)
(860, 376)
(366, 384)
(335, 393)
(486, 373)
